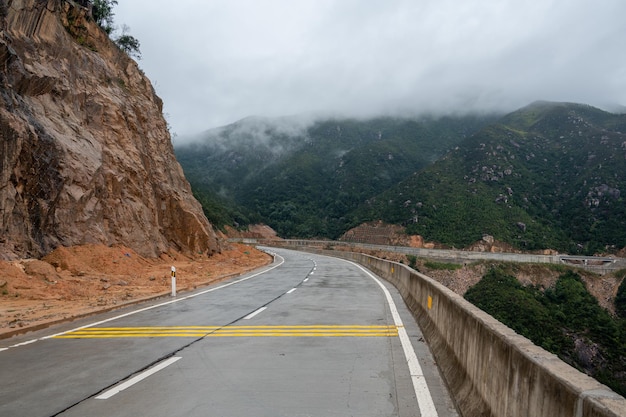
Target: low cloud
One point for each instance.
(216, 62)
(263, 131)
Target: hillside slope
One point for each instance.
(303, 178)
(85, 153)
(550, 175)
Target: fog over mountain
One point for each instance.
(262, 130)
(217, 62)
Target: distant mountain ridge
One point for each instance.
(550, 175)
(303, 178)
(547, 176)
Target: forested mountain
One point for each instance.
(550, 175)
(305, 178)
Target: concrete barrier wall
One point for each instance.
(490, 369)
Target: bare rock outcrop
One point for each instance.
(85, 153)
(381, 233)
(253, 231)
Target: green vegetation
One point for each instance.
(102, 14)
(447, 266)
(222, 212)
(519, 307)
(412, 261)
(305, 181)
(566, 320)
(548, 176)
(128, 43)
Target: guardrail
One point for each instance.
(490, 370)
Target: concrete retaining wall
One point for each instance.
(490, 369)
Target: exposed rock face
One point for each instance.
(85, 153)
(254, 231)
(380, 233)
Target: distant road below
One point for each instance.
(601, 265)
(309, 335)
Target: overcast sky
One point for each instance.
(214, 62)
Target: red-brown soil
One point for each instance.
(75, 281)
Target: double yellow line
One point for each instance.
(234, 331)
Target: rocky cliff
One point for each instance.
(85, 153)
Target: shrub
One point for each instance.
(412, 261)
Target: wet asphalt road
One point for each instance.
(307, 336)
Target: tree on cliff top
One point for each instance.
(102, 13)
(128, 43)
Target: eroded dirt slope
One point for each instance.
(78, 280)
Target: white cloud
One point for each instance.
(214, 62)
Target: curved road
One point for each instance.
(306, 336)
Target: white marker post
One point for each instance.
(173, 281)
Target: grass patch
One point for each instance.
(558, 268)
(442, 265)
(620, 273)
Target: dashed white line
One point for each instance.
(254, 313)
(291, 290)
(138, 378)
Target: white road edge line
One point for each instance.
(260, 310)
(25, 343)
(148, 308)
(137, 378)
(422, 393)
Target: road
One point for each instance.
(598, 264)
(306, 336)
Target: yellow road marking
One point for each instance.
(234, 331)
